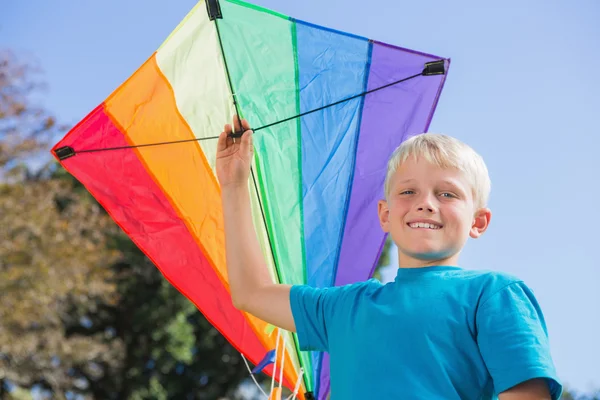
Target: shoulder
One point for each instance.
(336, 292)
(502, 293)
(314, 309)
(331, 299)
(490, 277)
(490, 283)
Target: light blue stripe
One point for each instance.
(331, 66)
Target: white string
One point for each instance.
(297, 387)
(275, 360)
(252, 376)
(281, 368)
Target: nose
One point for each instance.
(425, 204)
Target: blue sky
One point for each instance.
(522, 90)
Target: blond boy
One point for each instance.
(437, 331)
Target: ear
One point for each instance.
(384, 215)
(481, 221)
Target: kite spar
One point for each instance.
(328, 108)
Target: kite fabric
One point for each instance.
(147, 154)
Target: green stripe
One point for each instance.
(259, 48)
(259, 53)
(299, 139)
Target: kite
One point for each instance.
(327, 108)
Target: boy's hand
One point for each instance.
(234, 156)
(251, 286)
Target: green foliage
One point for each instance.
(154, 392)
(52, 260)
(86, 312)
(384, 258)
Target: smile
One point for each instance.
(424, 225)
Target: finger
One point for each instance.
(222, 142)
(246, 145)
(236, 124)
(245, 125)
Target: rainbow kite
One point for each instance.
(328, 108)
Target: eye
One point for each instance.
(447, 194)
(407, 192)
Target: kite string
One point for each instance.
(275, 360)
(253, 378)
(297, 387)
(294, 393)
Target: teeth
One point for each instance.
(423, 225)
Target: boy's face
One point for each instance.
(430, 213)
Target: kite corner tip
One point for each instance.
(214, 9)
(435, 68)
(64, 152)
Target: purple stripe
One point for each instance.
(324, 384)
(389, 117)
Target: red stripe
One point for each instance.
(118, 180)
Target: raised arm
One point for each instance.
(251, 286)
(534, 389)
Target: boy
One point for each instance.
(437, 331)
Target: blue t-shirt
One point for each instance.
(433, 333)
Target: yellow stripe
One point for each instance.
(146, 107)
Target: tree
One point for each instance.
(170, 350)
(52, 258)
(49, 246)
(83, 310)
(25, 128)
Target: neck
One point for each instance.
(406, 261)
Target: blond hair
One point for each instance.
(445, 152)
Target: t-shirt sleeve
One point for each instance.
(312, 309)
(513, 339)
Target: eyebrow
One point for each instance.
(455, 185)
(450, 182)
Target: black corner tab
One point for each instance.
(214, 9)
(64, 152)
(309, 396)
(434, 68)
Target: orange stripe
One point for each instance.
(144, 107)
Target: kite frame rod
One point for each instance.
(66, 152)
